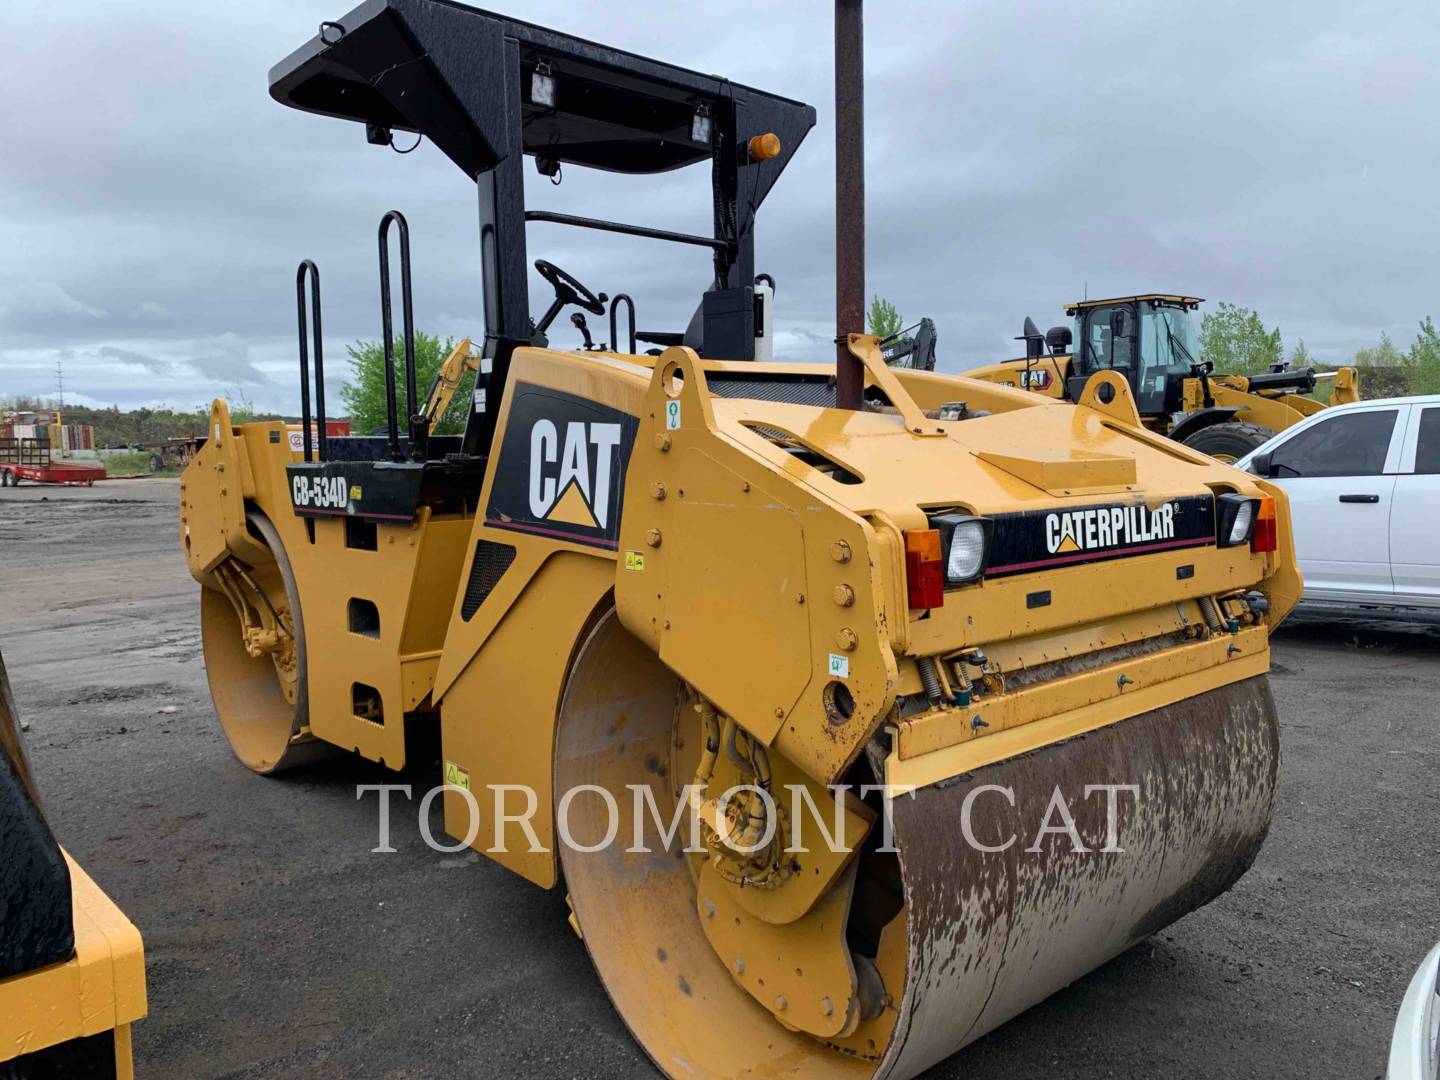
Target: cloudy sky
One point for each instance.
(154, 201)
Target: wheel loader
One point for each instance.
(72, 969)
(962, 689)
(1150, 341)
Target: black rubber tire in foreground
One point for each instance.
(1229, 441)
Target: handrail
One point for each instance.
(417, 439)
(614, 329)
(626, 230)
(314, 272)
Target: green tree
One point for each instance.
(1236, 341)
(1383, 355)
(1423, 360)
(242, 409)
(884, 320)
(1300, 355)
(364, 391)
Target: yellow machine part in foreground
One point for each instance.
(71, 1014)
(677, 577)
(100, 989)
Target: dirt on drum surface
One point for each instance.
(277, 943)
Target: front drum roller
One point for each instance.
(968, 938)
(260, 697)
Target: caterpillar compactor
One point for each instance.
(1150, 341)
(962, 689)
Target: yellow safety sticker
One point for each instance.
(635, 560)
(355, 491)
(457, 775)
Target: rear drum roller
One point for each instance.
(1230, 441)
(260, 699)
(967, 938)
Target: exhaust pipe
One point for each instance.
(849, 198)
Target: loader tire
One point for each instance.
(960, 938)
(268, 729)
(1230, 441)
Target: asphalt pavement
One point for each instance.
(277, 943)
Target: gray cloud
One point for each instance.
(225, 359)
(36, 303)
(1019, 156)
(150, 309)
(134, 359)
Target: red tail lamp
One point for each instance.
(924, 570)
(1266, 536)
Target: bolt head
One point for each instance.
(827, 1007)
(844, 595)
(780, 1003)
(657, 491)
(739, 967)
(846, 639)
(662, 441)
(652, 537)
(840, 551)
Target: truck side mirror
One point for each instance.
(1260, 464)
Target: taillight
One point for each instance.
(924, 570)
(1266, 535)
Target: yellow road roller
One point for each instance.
(855, 709)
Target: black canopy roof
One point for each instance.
(438, 68)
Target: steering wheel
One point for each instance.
(567, 289)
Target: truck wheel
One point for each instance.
(156, 463)
(7, 479)
(1228, 442)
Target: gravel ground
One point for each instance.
(276, 943)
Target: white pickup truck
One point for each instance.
(1364, 487)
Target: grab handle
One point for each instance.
(407, 313)
(309, 267)
(614, 333)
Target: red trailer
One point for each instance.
(29, 459)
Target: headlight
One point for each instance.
(1244, 521)
(1234, 519)
(965, 545)
(967, 552)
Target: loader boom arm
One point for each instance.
(447, 381)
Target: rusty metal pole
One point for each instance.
(849, 197)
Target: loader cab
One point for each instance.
(1150, 340)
